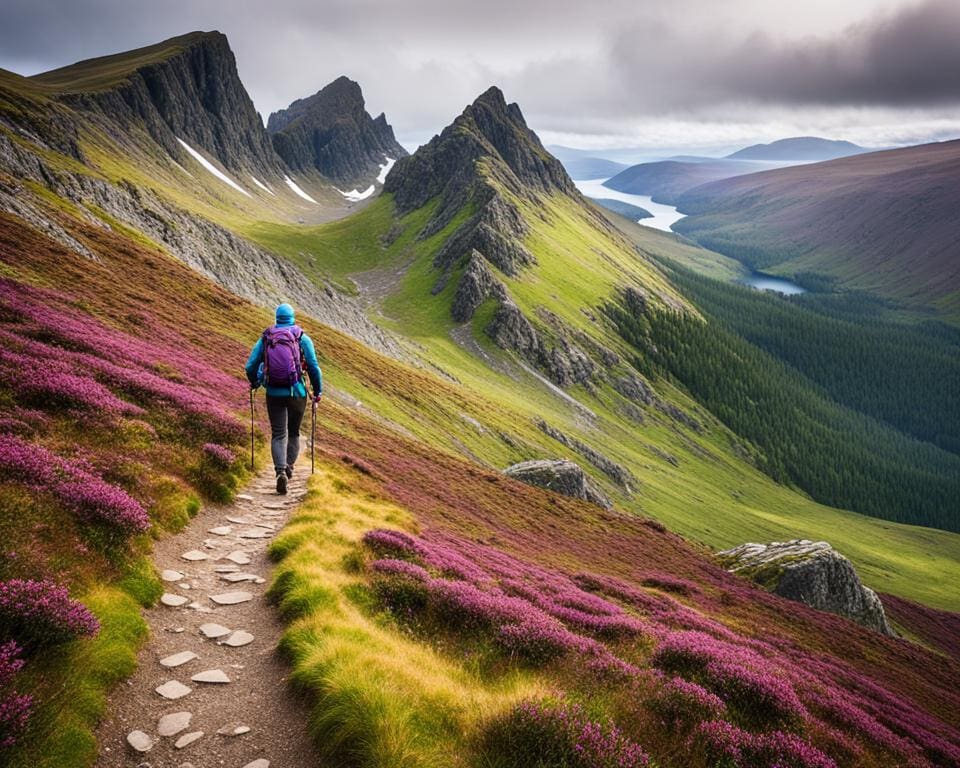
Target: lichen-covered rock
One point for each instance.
(561, 476)
(813, 573)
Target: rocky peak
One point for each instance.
(489, 139)
(810, 572)
(331, 132)
(187, 87)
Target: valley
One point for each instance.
(472, 311)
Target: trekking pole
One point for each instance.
(251, 430)
(313, 431)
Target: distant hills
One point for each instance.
(883, 221)
(593, 168)
(799, 149)
(666, 180)
(633, 212)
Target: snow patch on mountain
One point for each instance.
(355, 196)
(297, 191)
(212, 168)
(262, 186)
(385, 169)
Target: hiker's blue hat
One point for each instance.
(285, 314)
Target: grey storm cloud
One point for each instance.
(608, 67)
(908, 58)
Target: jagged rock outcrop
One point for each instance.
(616, 472)
(563, 362)
(186, 87)
(561, 476)
(495, 231)
(331, 132)
(476, 286)
(810, 572)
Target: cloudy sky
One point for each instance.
(684, 75)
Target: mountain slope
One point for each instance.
(799, 149)
(184, 88)
(332, 133)
(882, 222)
(666, 180)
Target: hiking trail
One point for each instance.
(210, 689)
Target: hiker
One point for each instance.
(277, 361)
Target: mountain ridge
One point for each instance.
(799, 149)
(186, 88)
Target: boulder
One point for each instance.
(813, 573)
(562, 476)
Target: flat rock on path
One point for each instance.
(254, 719)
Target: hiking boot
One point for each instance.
(289, 471)
(282, 483)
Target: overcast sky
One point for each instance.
(688, 74)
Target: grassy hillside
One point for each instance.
(404, 577)
(882, 222)
(682, 473)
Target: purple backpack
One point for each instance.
(282, 357)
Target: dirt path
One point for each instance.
(257, 696)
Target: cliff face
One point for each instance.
(332, 133)
(187, 88)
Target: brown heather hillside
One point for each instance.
(884, 221)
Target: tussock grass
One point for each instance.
(381, 697)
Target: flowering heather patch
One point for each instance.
(680, 701)
(14, 707)
(84, 363)
(532, 613)
(392, 543)
(561, 734)
(402, 568)
(219, 455)
(739, 675)
(725, 744)
(82, 492)
(41, 613)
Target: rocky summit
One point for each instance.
(562, 476)
(813, 573)
(184, 88)
(331, 132)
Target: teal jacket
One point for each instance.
(254, 368)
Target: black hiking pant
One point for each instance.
(286, 415)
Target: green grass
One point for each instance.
(381, 699)
(107, 72)
(73, 682)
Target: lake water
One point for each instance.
(663, 215)
(764, 282)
